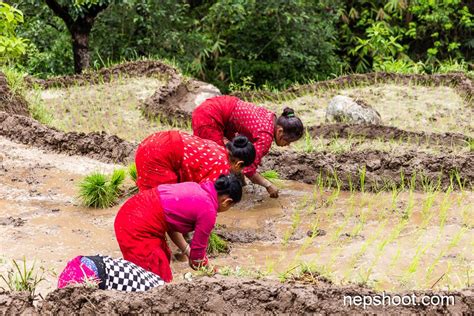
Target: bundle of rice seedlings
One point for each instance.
(270, 175)
(99, 191)
(217, 245)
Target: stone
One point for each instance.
(345, 109)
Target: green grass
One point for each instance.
(217, 245)
(40, 113)
(21, 278)
(100, 191)
(15, 80)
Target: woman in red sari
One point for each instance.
(144, 220)
(222, 118)
(175, 156)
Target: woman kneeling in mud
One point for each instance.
(175, 156)
(143, 221)
(221, 118)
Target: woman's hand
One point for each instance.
(272, 190)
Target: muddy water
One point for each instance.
(404, 242)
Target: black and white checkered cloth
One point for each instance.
(123, 275)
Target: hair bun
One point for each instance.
(240, 141)
(222, 182)
(288, 112)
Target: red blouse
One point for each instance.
(203, 159)
(257, 124)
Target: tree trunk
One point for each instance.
(80, 30)
(80, 49)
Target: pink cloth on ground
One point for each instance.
(188, 207)
(75, 272)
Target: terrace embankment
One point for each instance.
(381, 168)
(386, 133)
(221, 295)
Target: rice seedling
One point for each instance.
(308, 142)
(295, 222)
(240, 272)
(308, 273)
(270, 175)
(217, 245)
(470, 144)
(20, 277)
(99, 191)
(132, 172)
(362, 174)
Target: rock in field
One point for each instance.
(348, 110)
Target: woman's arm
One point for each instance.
(271, 188)
(180, 242)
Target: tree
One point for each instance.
(79, 17)
(11, 46)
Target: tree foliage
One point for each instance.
(257, 42)
(12, 46)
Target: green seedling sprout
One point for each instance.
(21, 278)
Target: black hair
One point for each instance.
(242, 149)
(229, 185)
(293, 128)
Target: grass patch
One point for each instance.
(40, 113)
(15, 80)
(100, 191)
(21, 278)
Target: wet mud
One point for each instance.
(459, 81)
(17, 303)
(100, 146)
(381, 168)
(220, 295)
(9, 102)
(386, 133)
(178, 100)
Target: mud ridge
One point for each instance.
(9, 102)
(130, 69)
(221, 295)
(17, 303)
(160, 104)
(99, 146)
(382, 169)
(386, 133)
(458, 80)
(245, 236)
(164, 103)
